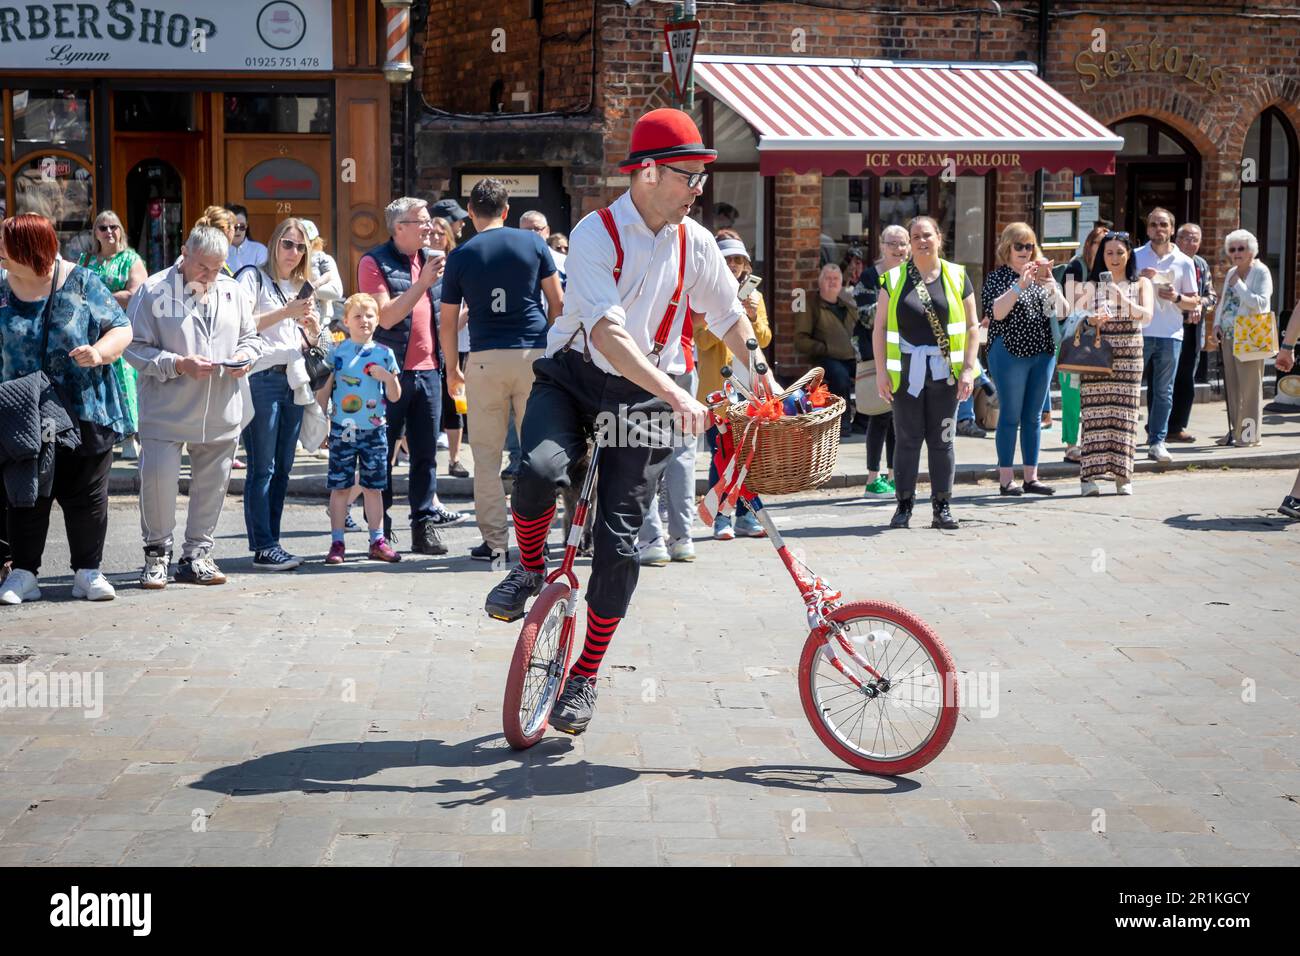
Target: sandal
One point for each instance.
(1011, 490)
(1036, 487)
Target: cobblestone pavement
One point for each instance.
(1139, 657)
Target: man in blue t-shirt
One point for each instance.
(507, 279)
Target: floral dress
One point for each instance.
(115, 273)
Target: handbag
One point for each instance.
(865, 393)
(1254, 337)
(1092, 355)
(319, 368)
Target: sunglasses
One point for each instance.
(241, 227)
(107, 228)
(692, 179)
(1023, 246)
(1236, 249)
(292, 246)
(1115, 235)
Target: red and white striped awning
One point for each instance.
(855, 116)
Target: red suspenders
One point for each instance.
(666, 323)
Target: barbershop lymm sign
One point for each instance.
(126, 35)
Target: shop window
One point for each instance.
(856, 208)
(278, 113)
(1135, 138)
(59, 188)
(738, 205)
(153, 111)
(1268, 199)
(51, 118)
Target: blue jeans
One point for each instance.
(1021, 384)
(420, 411)
(1047, 393)
(1161, 357)
(270, 441)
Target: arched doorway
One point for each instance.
(154, 214)
(1157, 166)
(1268, 199)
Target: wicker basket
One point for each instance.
(794, 453)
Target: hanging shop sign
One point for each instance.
(1153, 57)
(167, 35)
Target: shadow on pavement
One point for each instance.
(1253, 523)
(342, 767)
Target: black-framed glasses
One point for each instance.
(299, 247)
(692, 179)
(107, 227)
(1236, 249)
(1023, 246)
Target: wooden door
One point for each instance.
(279, 176)
(157, 191)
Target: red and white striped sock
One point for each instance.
(530, 533)
(600, 631)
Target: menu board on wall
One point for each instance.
(280, 35)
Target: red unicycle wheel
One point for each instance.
(538, 667)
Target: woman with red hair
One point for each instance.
(60, 318)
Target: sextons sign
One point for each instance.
(1152, 57)
(254, 35)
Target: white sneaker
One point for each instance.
(1158, 452)
(156, 571)
(682, 549)
(1123, 487)
(90, 584)
(1089, 489)
(130, 450)
(18, 587)
(654, 555)
(442, 440)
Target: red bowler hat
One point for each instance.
(665, 135)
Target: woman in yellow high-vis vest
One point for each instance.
(926, 363)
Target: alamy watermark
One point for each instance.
(630, 428)
(36, 689)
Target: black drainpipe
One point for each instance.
(1043, 8)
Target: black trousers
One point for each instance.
(1184, 379)
(418, 410)
(81, 489)
(880, 434)
(570, 398)
(929, 418)
(839, 379)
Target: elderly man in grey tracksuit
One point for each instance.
(194, 337)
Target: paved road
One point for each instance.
(1144, 710)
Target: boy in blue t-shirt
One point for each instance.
(365, 374)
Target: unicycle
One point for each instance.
(876, 683)
(541, 658)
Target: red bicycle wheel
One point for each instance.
(890, 726)
(537, 668)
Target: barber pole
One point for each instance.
(397, 68)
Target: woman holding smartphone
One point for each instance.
(1021, 301)
(1122, 305)
(285, 312)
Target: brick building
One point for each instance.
(1206, 100)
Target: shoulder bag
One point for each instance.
(1087, 353)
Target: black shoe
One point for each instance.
(903, 514)
(484, 552)
(572, 712)
(506, 601)
(1290, 507)
(426, 540)
(441, 516)
(943, 516)
(1038, 488)
(1011, 490)
(967, 428)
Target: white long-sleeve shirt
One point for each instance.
(645, 286)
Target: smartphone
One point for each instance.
(233, 364)
(306, 291)
(749, 285)
(1044, 268)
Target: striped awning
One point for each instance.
(856, 116)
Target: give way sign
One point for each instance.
(681, 37)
